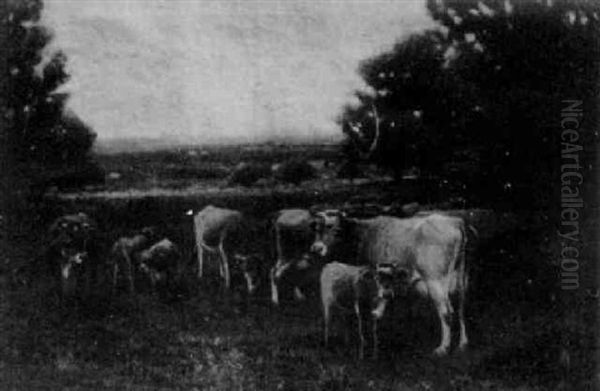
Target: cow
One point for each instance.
(348, 288)
(233, 237)
(72, 252)
(292, 237)
(212, 225)
(428, 251)
(123, 253)
(160, 262)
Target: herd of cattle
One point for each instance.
(361, 263)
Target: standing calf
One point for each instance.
(348, 288)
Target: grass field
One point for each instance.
(203, 340)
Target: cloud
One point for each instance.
(214, 71)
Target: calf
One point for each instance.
(160, 262)
(124, 251)
(348, 288)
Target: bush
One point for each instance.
(246, 174)
(295, 171)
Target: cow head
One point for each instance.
(327, 225)
(72, 264)
(390, 280)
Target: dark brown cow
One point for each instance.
(72, 252)
(429, 252)
(293, 236)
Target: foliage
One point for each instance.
(39, 133)
(295, 171)
(484, 91)
(246, 174)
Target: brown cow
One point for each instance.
(429, 250)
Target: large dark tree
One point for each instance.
(481, 97)
(40, 137)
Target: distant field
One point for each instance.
(209, 166)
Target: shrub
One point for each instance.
(295, 171)
(246, 174)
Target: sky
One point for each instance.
(226, 71)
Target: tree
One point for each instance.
(39, 135)
(477, 98)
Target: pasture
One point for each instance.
(199, 339)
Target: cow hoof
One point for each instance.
(440, 352)
(462, 347)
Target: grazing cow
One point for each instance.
(72, 245)
(160, 262)
(429, 251)
(233, 237)
(293, 237)
(348, 288)
(211, 227)
(124, 251)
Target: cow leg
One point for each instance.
(274, 290)
(463, 341)
(129, 272)
(200, 251)
(225, 263)
(444, 310)
(375, 340)
(361, 337)
(115, 274)
(326, 321)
